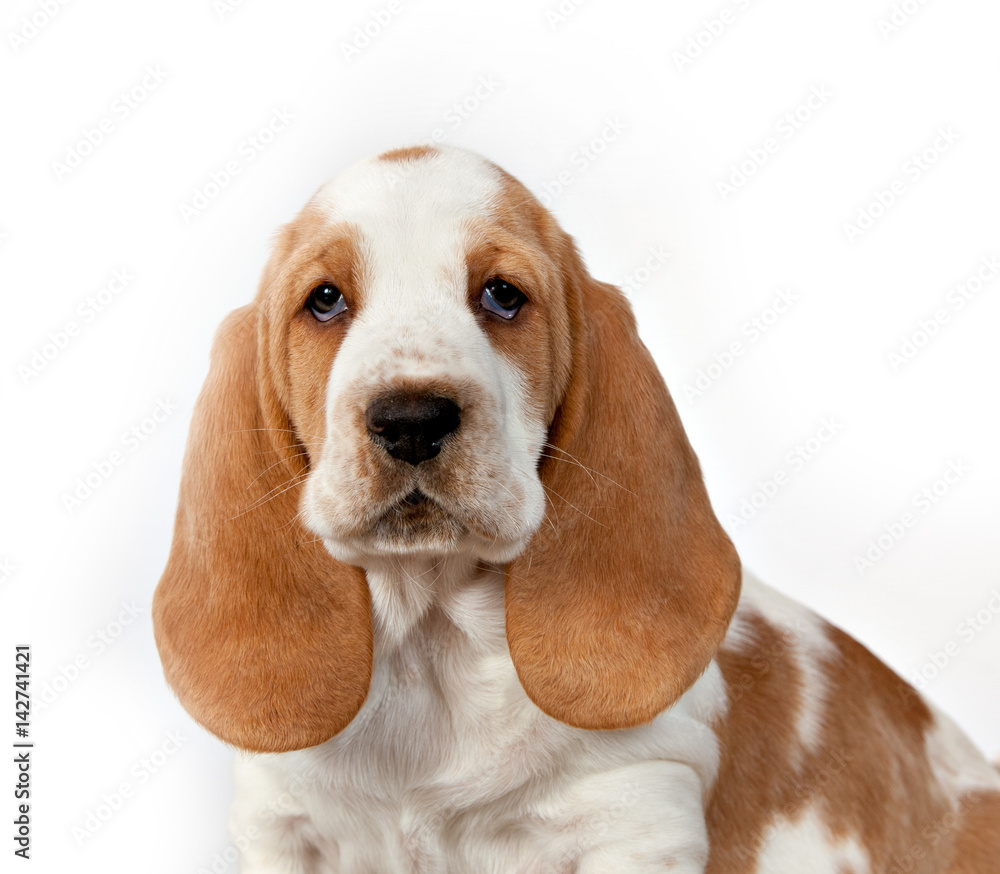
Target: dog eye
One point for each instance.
(502, 297)
(325, 302)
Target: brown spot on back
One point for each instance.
(754, 784)
(888, 794)
(868, 777)
(977, 843)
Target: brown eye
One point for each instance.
(502, 298)
(325, 302)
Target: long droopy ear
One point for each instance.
(623, 596)
(264, 637)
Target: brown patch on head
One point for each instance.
(869, 778)
(521, 243)
(300, 349)
(407, 153)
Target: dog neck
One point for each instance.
(411, 592)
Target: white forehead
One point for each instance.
(414, 194)
(412, 216)
(413, 213)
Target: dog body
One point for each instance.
(450, 767)
(777, 760)
(444, 563)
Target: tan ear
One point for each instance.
(264, 637)
(624, 594)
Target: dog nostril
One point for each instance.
(411, 427)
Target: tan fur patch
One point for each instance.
(870, 776)
(977, 842)
(407, 153)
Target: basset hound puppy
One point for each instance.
(445, 571)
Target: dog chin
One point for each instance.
(429, 532)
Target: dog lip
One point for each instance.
(415, 499)
(413, 507)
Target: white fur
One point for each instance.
(449, 767)
(805, 843)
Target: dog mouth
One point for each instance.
(416, 520)
(414, 510)
(412, 502)
(429, 515)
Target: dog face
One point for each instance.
(428, 369)
(428, 351)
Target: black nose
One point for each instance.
(411, 427)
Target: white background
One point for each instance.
(661, 131)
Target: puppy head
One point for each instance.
(429, 369)
(432, 378)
